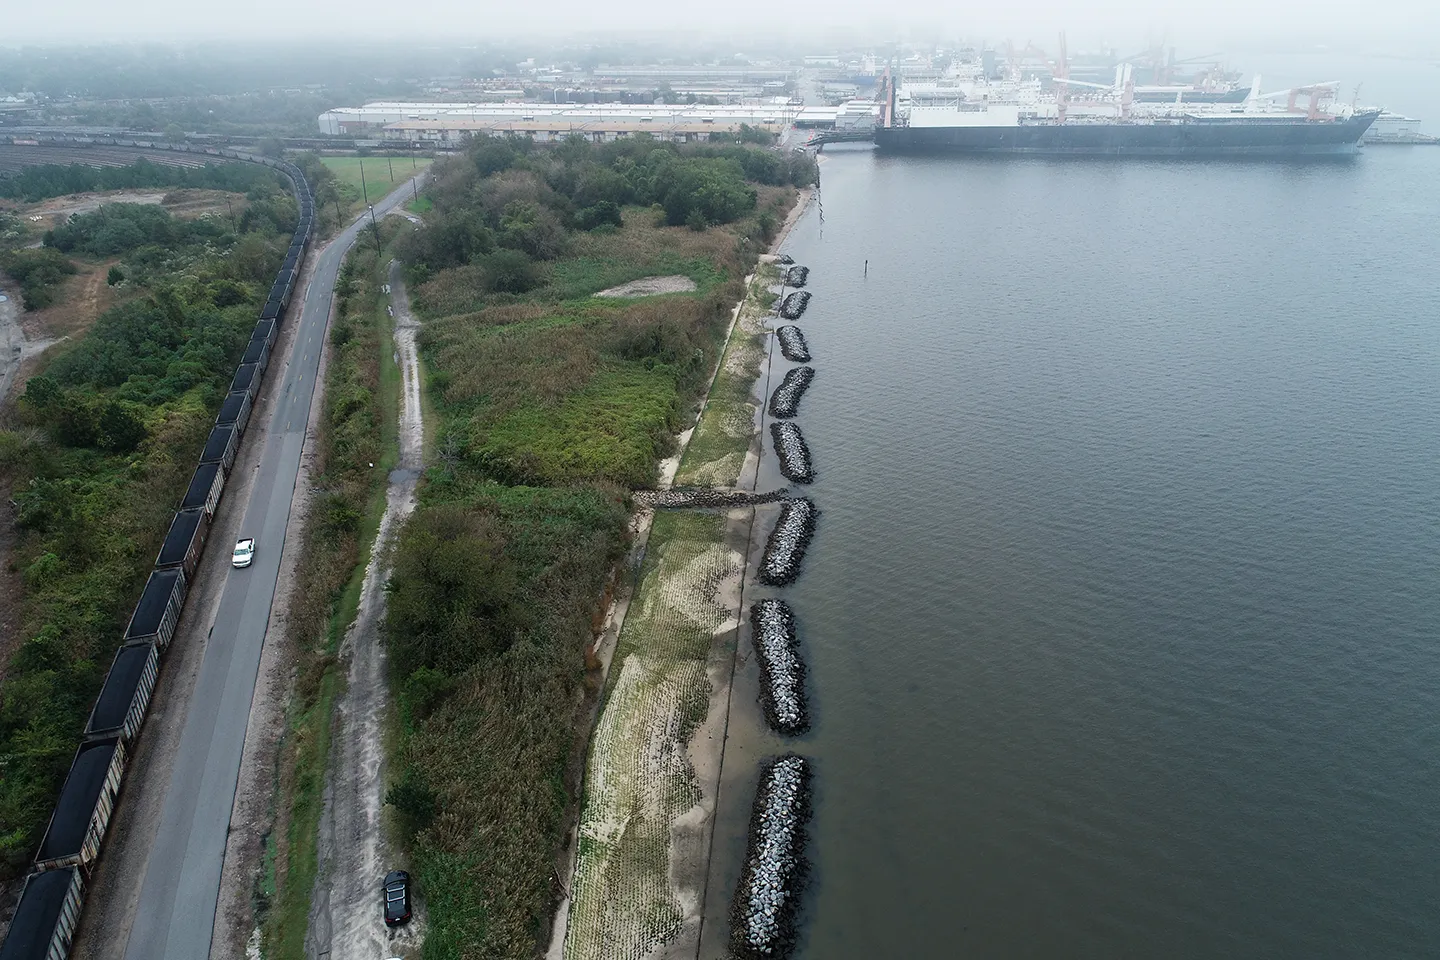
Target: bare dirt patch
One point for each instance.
(651, 286)
(82, 299)
(184, 202)
(57, 210)
(190, 202)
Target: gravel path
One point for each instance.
(345, 918)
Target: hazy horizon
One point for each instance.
(1401, 27)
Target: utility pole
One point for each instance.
(392, 169)
(232, 215)
(363, 190)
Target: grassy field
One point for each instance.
(716, 452)
(638, 780)
(558, 386)
(377, 175)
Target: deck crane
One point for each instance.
(1316, 91)
(1124, 87)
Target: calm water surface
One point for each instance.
(1123, 616)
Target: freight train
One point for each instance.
(49, 910)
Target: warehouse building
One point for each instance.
(453, 122)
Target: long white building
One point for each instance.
(597, 121)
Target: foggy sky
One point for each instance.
(1405, 26)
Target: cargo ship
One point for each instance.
(1023, 119)
(1397, 128)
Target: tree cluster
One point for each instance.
(118, 228)
(38, 272)
(96, 455)
(510, 194)
(33, 184)
(155, 349)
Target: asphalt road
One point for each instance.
(176, 913)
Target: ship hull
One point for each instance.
(1194, 138)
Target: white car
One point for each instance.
(244, 552)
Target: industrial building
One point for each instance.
(452, 122)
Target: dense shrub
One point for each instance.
(511, 191)
(490, 674)
(120, 227)
(509, 271)
(155, 349)
(532, 228)
(603, 213)
(38, 272)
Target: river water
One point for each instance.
(1123, 615)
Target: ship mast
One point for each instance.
(1062, 74)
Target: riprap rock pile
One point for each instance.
(797, 276)
(786, 547)
(704, 497)
(782, 672)
(793, 453)
(787, 396)
(794, 305)
(793, 345)
(762, 916)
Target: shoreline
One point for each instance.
(703, 751)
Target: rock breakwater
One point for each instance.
(786, 398)
(792, 344)
(702, 497)
(782, 672)
(762, 916)
(792, 451)
(785, 550)
(794, 305)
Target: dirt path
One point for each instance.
(12, 337)
(345, 916)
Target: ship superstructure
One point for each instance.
(969, 113)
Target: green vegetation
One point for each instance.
(57, 180)
(359, 429)
(38, 272)
(96, 456)
(121, 227)
(489, 612)
(12, 230)
(550, 403)
(716, 452)
(641, 782)
(377, 173)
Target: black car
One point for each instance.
(397, 898)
